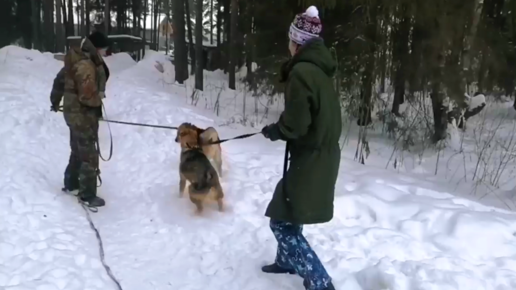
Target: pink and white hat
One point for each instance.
(305, 26)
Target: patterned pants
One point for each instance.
(82, 170)
(294, 253)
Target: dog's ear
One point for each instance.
(199, 131)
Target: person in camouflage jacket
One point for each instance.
(82, 83)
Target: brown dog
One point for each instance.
(196, 169)
(213, 151)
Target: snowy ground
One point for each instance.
(390, 231)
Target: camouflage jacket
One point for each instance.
(80, 82)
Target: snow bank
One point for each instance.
(119, 62)
(17, 55)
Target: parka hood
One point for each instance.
(315, 52)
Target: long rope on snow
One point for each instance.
(101, 248)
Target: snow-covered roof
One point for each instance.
(111, 36)
(124, 36)
(205, 43)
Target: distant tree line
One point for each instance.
(438, 48)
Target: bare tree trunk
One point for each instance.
(368, 76)
(476, 13)
(383, 53)
(227, 19)
(64, 20)
(219, 23)
(211, 21)
(226, 37)
(191, 47)
(158, 9)
(198, 46)
(156, 25)
(59, 28)
(400, 57)
(438, 53)
(249, 43)
(107, 17)
(233, 44)
(167, 32)
(83, 25)
(35, 24)
(71, 25)
(439, 111)
(87, 16)
(416, 56)
(180, 49)
(153, 23)
(144, 34)
(134, 6)
(48, 14)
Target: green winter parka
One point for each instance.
(311, 124)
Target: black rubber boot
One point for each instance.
(94, 202)
(276, 269)
(71, 191)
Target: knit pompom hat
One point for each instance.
(305, 26)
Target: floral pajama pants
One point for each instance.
(294, 253)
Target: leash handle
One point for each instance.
(110, 141)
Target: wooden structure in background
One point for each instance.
(132, 45)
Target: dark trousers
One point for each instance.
(294, 253)
(82, 170)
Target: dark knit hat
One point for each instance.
(99, 39)
(305, 26)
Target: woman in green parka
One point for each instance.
(311, 126)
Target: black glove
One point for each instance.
(272, 132)
(54, 108)
(98, 112)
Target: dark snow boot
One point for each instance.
(93, 202)
(329, 287)
(276, 269)
(71, 191)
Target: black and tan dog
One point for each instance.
(195, 168)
